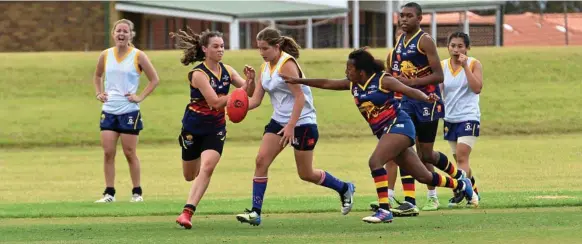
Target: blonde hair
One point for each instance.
(131, 29)
(192, 44)
(273, 37)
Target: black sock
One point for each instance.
(344, 188)
(110, 191)
(257, 210)
(190, 207)
(136, 190)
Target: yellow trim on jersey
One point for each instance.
(263, 67)
(227, 71)
(136, 120)
(432, 112)
(219, 67)
(472, 64)
(398, 39)
(282, 63)
(413, 36)
(418, 46)
(389, 60)
(194, 70)
(117, 58)
(454, 72)
(367, 82)
(380, 84)
(136, 62)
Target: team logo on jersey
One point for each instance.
(130, 120)
(412, 46)
(395, 67)
(408, 69)
(212, 83)
(225, 83)
(355, 92)
(425, 111)
(468, 127)
(295, 141)
(225, 78)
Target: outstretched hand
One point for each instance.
(289, 79)
(249, 72)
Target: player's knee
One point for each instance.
(188, 177)
(375, 162)
(109, 154)
(129, 152)
(206, 170)
(426, 158)
(261, 161)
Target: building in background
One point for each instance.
(85, 25)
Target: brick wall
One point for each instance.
(481, 35)
(52, 26)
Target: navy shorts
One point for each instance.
(403, 125)
(453, 131)
(193, 145)
(306, 135)
(129, 123)
(425, 117)
(423, 111)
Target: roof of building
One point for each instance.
(241, 9)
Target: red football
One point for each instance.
(237, 105)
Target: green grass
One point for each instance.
(527, 161)
(552, 225)
(48, 98)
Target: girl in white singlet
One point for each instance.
(293, 121)
(461, 88)
(118, 71)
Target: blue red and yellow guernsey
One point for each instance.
(408, 59)
(201, 117)
(377, 105)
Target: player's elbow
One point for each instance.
(155, 82)
(440, 77)
(254, 103)
(477, 90)
(215, 103)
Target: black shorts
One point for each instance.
(306, 135)
(425, 131)
(194, 145)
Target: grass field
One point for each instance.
(527, 160)
(525, 90)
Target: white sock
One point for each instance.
(391, 193)
(431, 193)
